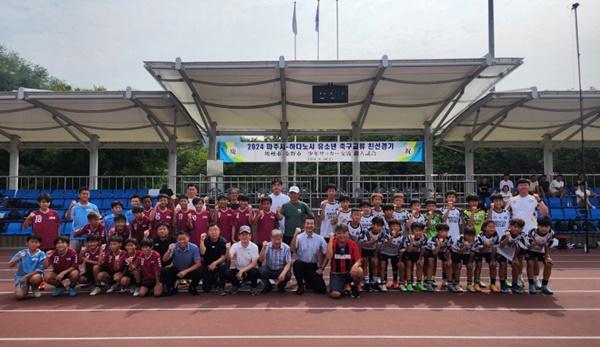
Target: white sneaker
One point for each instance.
(36, 293)
(382, 287)
(132, 289)
(538, 283)
(402, 287)
(136, 292)
(112, 288)
(96, 291)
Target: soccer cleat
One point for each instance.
(136, 292)
(96, 291)
(532, 290)
(520, 281)
(504, 289)
(538, 284)
(361, 288)
(459, 288)
(254, 291)
(395, 285)
(72, 292)
(367, 287)
(132, 289)
(389, 284)
(494, 289)
(123, 290)
(477, 287)
(112, 288)
(509, 283)
(452, 288)
(235, 289)
(58, 291)
(410, 288)
(221, 292)
(546, 290)
(421, 287)
(471, 288)
(402, 287)
(36, 293)
(482, 284)
(429, 287)
(354, 292)
(444, 285)
(382, 287)
(516, 289)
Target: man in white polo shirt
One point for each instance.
(244, 258)
(278, 199)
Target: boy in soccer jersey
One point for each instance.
(199, 220)
(225, 219)
(120, 228)
(498, 214)
(112, 265)
(140, 224)
(400, 213)
(328, 211)
(116, 210)
(389, 250)
(511, 244)
(90, 257)
(45, 222)
(451, 215)
(432, 218)
(438, 247)
(344, 213)
(473, 216)
(150, 267)
(461, 255)
(415, 215)
(377, 203)
(369, 248)
(65, 268)
(388, 215)
(485, 248)
(539, 241)
(243, 215)
(93, 227)
(354, 227)
(367, 215)
(265, 220)
(346, 263)
(161, 213)
(147, 205)
(182, 216)
(131, 273)
(30, 272)
(414, 256)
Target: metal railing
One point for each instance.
(593, 180)
(412, 189)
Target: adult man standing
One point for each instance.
(524, 206)
(278, 199)
(191, 192)
(294, 212)
(346, 265)
(506, 181)
(78, 212)
(186, 264)
(214, 251)
(244, 258)
(276, 259)
(310, 249)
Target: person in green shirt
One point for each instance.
(473, 216)
(294, 211)
(433, 217)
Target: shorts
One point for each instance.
(148, 284)
(338, 281)
(128, 273)
(502, 259)
(531, 255)
(442, 256)
(461, 258)
(385, 257)
(368, 253)
(411, 256)
(482, 256)
(107, 269)
(23, 287)
(89, 273)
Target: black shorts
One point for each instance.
(482, 256)
(368, 253)
(502, 259)
(128, 273)
(531, 255)
(385, 257)
(148, 284)
(461, 258)
(411, 256)
(338, 281)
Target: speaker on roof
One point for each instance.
(330, 94)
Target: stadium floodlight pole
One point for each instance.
(582, 125)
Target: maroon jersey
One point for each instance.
(46, 226)
(182, 220)
(242, 217)
(131, 262)
(147, 213)
(111, 262)
(344, 257)
(150, 267)
(139, 226)
(90, 255)
(226, 221)
(89, 229)
(200, 222)
(125, 233)
(161, 217)
(265, 225)
(62, 262)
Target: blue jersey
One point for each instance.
(29, 262)
(79, 214)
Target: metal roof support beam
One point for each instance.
(569, 125)
(157, 130)
(56, 114)
(70, 131)
(502, 113)
(196, 127)
(284, 122)
(494, 126)
(93, 162)
(584, 125)
(428, 151)
(208, 122)
(149, 113)
(362, 114)
(473, 108)
(454, 102)
(548, 157)
(469, 164)
(13, 162)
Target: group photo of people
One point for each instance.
(203, 245)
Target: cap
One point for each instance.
(295, 189)
(245, 229)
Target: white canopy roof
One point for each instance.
(524, 118)
(385, 96)
(73, 119)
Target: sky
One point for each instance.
(105, 43)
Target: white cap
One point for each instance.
(295, 189)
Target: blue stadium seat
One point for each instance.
(595, 213)
(10, 193)
(13, 229)
(570, 213)
(27, 231)
(568, 201)
(105, 204)
(67, 228)
(58, 203)
(557, 213)
(554, 203)
(105, 193)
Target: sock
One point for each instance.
(378, 280)
(531, 282)
(503, 282)
(535, 277)
(493, 281)
(544, 282)
(477, 281)
(412, 280)
(469, 283)
(395, 275)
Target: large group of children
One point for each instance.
(128, 251)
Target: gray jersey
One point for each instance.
(355, 231)
(538, 242)
(485, 244)
(391, 246)
(501, 220)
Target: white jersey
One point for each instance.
(344, 217)
(454, 221)
(525, 209)
(377, 213)
(501, 220)
(330, 210)
(366, 222)
(278, 201)
(354, 231)
(401, 216)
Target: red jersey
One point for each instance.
(242, 217)
(88, 254)
(226, 221)
(125, 233)
(164, 216)
(344, 256)
(150, 267)
(46, 226)
(62, 262)
(114, 265)
(139, 226)
(182, 220)
(200, 222)
(89, 229)
(265, 226)
(147, 213)
(131, 262)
